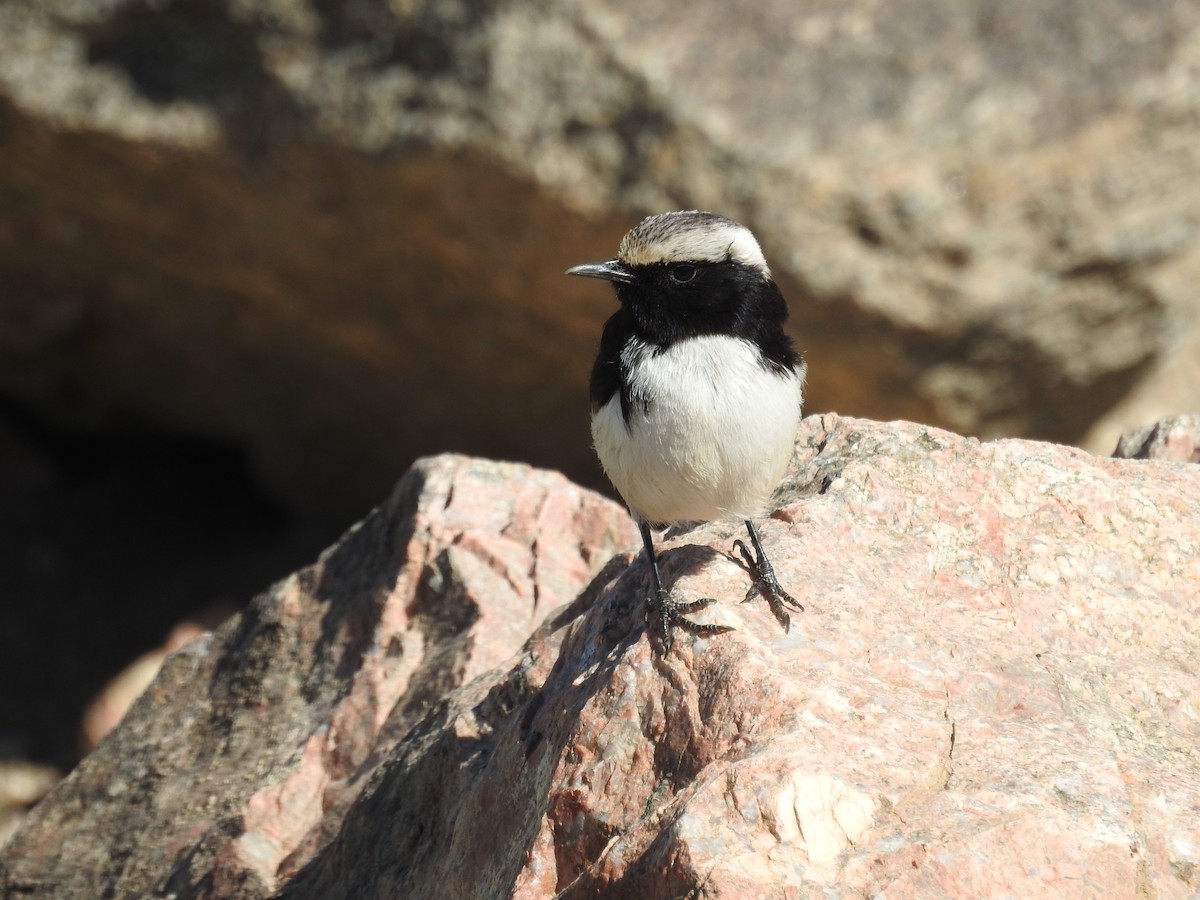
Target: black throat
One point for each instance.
(724, 298)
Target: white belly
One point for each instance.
(713, 440)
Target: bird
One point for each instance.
(696, 393)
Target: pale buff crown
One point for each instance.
(691, 236)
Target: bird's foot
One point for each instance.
(663, 613)
(767, 585)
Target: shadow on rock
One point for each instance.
(496, 746)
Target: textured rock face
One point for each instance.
(247, 736)
(329, 237)
(992, 693)
(1177, 438)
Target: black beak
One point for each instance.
(613, 270)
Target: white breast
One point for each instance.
(713, 437)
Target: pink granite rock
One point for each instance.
(1177, 438)
(227, 769)
(993, 692)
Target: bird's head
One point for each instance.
(689, 273)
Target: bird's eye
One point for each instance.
(683, 274)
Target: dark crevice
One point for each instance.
(107, 541)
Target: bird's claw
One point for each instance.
(663, 613)
(765, 584)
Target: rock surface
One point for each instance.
(22, 785)
(328, 238)
(330, 666)
(993, 692)
(1177, 438)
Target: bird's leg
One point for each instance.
(765, 582)
(662, 613)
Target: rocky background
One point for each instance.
(992, 692)
(258, 255)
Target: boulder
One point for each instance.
(992, 692)
(1176, 437)
(323, 239)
